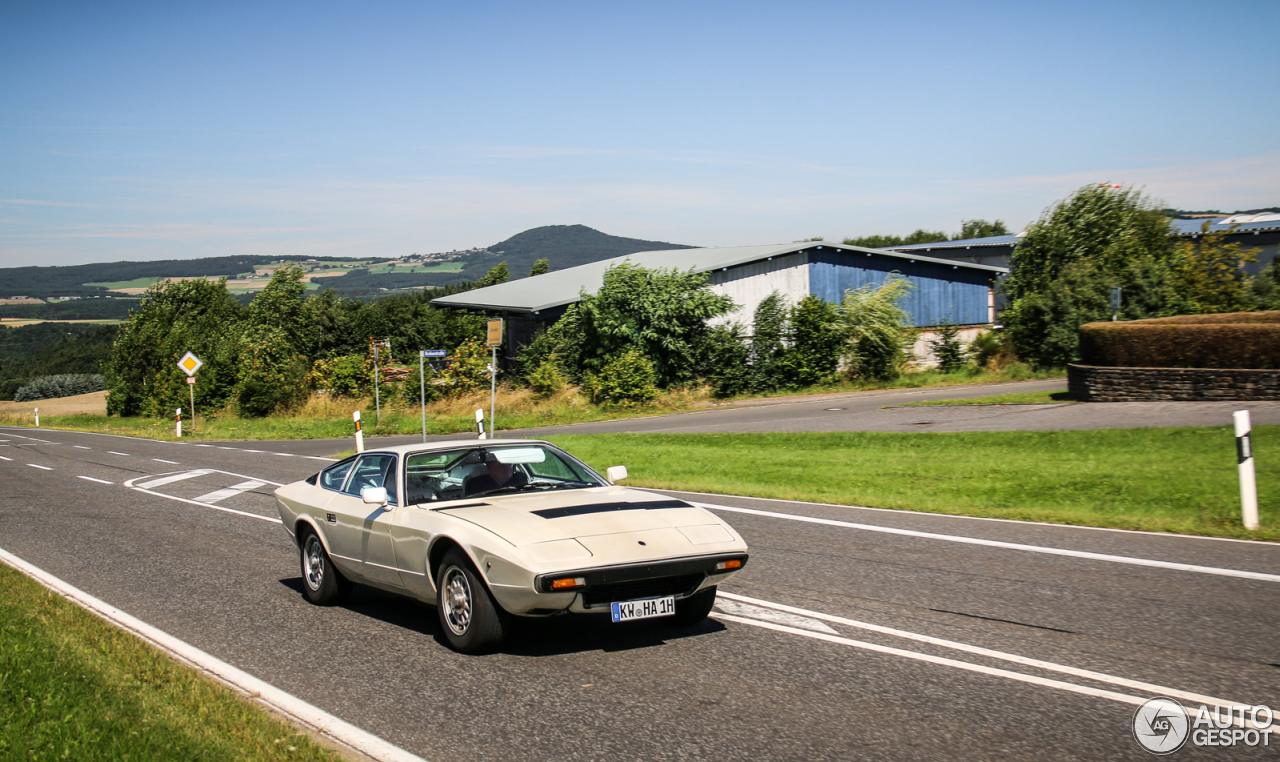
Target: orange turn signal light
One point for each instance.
(733, 563)
(568, 583)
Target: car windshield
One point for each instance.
(466, 472)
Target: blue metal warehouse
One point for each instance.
(945, 290)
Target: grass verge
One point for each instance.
(517, 408)
(1181, 480)
(73, 686)
(1019, 398)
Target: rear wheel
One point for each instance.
(472, 620)
(321, 582)
(695, 608)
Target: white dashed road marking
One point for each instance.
(91, 479)
(113, 452)
(170, 462)
(4, 458)
(223, 494)
(81, 447)
(43, 468)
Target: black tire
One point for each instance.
(472, 621)
(323, 584)
(695, 608)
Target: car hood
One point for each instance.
(612, 524)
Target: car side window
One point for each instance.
(377, 470)
(333, 476)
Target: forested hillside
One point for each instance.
(46, 349)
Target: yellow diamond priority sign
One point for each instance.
(189, 364)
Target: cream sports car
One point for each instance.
(488, 529)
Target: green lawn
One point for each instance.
(73, 686)
(1020, 398)
(135, 283)
(1162, 480)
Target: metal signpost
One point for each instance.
(495, 338)
(189, 364)
(422, 382)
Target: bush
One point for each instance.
(272, 376)
(342, 376)
(724, 361)
(413, 392)
(992, 350)
(628, 380)
(548, 378)
(62, 385)
(467, 370)
(877, 329)
(1236, 340)
(948, 348)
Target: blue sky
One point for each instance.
(133, 130)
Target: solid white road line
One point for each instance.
(113, 452)
(91, 479)
(223, 494)
(253, 451)
(43, 468)
(174, 478)
(1101, 677)
(313, 457)
(287, 704)
(1070, 527)
(1004, 545)
(170, 462)
(1045, 682)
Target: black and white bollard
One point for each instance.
(359, 434)
(177, 414)
(1248, 484)
(480, 421)
(37, 418)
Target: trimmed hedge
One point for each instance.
(1229, 340)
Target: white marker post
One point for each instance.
(480, 421)
(37, 418)
(1244, 456)
(422, 389)
(359, 434)
(177, 412)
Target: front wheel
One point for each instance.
(321, 582)
(472, 620)
(695, 608)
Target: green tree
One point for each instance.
(664, 313)
(980, 229)
(920, 235)
(497, 274)
(467, 369)
(1211, 273)
(1264, 290)
(815, 343)
(948, 348)
(271, 376)
(1065, 265)
(197, 316)
(627, 380)
(281, 304)
(876, 328)
(541, 267)
(725, 361)
(768, 335)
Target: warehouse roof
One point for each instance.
(556, 289)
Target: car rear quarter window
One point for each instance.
(333, 476)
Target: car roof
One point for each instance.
(452, 445)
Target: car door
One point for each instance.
(363, 530)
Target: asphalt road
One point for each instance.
(873, 411)
(906, 640)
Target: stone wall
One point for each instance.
(1098, 384)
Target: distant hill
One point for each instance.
(564, 245)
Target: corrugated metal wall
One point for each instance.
(749, 284)
(942, 292)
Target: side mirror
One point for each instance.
(374, 495)
(616, 473)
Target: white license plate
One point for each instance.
(654, 607)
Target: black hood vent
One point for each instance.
(580, 510)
